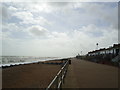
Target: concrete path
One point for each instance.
(85, 74)
(29, 75)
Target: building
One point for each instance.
(110, 54)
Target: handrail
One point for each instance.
(52, 82)
(59, 78)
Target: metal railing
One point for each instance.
(59, 78)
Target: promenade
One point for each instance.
(85, 74)
(81, 74)
(29, 76)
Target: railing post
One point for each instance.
(63, 76)
(59, 79)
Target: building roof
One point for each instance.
(103, 49)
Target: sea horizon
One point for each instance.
(17, 60)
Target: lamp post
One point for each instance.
(97, 45)
(81, 53)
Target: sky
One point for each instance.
(57, 29)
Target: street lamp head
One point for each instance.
(97, 44)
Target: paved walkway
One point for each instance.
(85, 74)
(29, 75)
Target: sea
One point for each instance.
(17, 60)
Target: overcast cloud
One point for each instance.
(59, 29)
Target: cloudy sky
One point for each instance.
(59, 29)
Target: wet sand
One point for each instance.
(29, 76)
